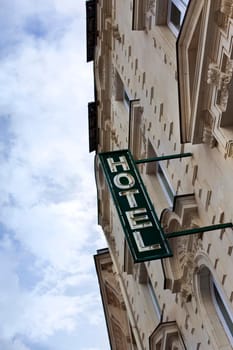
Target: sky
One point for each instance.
(49, 296)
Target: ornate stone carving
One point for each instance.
(224, 13)
(223, 99)
(208, 136)
(179, 269)
(229, 149)
(221, 80)
(214, 75)
(116, 33)
(113, 301)
(221, 19)
(189, 266)
(150, 11)
(227, 8)
(151, 7)
(226, 78)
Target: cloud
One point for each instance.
(57, 301)
(48, 229)
(13, 345)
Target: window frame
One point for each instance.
(204, 280)
(152, 169)
(139, 14)
(181, 6)
(121, 94)
(165, 183)
(214, 289)
(154, 299)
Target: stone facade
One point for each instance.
(118, 324)
(163, 82)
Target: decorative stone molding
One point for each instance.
(151, 7)
(166, 336)
(184, 212)
(116, 33)
(113, 296)
(140, 273)
(229, 149)
(179, 269)
(115, 309)
(224, 13)
(114, 136)
(135, 138)
(208, 137)
(221, 80)
(227, 8)
(192, 54)
(221, 83)
(214, 75)
(139, 14)
(226, 78)
(217, 77)
(150, 12)
(221, 20)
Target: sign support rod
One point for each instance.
(156, 159)
(199, 230)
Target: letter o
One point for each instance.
(129, 178)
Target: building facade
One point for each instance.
(163, 86)
(114, 303)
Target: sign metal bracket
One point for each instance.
(199, 230)
(167, 157)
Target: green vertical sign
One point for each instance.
(143, 232)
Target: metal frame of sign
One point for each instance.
(143, 232)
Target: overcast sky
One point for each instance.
(49, 299)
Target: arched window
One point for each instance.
(223, 311)
(219, 313)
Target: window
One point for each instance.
(166, 336)
(191, 55)
(157, 168)
(224, 314)
(154, 299)
(135, 136)
(139, 11)
(128, 260)
(165, 183)
(120, 92)
(220, 315)
(119, 87)
(175, 14)
(164, 12)
(126, 99)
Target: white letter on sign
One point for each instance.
(129, 178)
(130, 197)
(113, 165)
(134, 217)
(140, 244)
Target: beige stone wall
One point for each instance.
(118, 324)
(143, 64)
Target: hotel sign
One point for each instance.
(143, 232)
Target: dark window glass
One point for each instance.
(175, 16)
